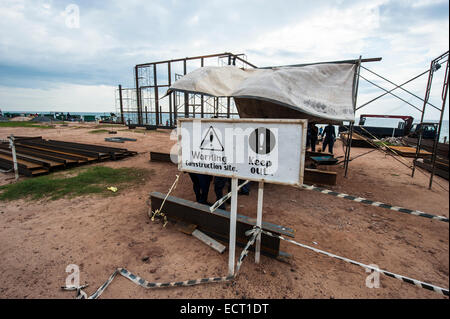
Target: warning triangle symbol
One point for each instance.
(211, 141)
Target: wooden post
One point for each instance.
(233, 214)
(259, 220)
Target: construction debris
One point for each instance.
(214, 244)
(406, 151)
(119, 139)
(395, 141)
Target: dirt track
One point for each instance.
(40, 238)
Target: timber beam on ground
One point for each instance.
(217, 224)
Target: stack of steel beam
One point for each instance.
(37, 156)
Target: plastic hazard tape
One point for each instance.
(225, 198)
(408, 280)
(148, 285)
(374, 203)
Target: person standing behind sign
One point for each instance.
(330, 136)
(313, 136)
(201, 184)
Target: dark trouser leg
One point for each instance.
(219, 184)
(204, 181)
(324, 145)
(245, 190)
(196, 185)
(330, 146)
(313, 144)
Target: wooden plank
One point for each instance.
(407, 151)
(316, 176)
(185, 228)
(357, 141)
(427, 144)
(209, 241)
(161, 157)
(309, 154)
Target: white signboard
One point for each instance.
(267, 150)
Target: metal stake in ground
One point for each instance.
(259, 220)
(233, 214)
(13, 151)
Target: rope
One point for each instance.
(254, 232)
(374, 203)
(408, 280)
(157, 212)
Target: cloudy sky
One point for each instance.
(50, 62)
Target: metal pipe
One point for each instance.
(186, 95)
(354, 100)
(328, 62)
(398, 97)
(138, 102)
(121, 105)
(427, 95)
(202, 99)
(155, 83)
(436, 139)
(14, 156)
(398, 86)
(169, 71)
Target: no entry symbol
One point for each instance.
(262, 140)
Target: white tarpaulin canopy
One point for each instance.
(320, 92)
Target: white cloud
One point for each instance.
(116, 35)
(326, 34)
(66, 97)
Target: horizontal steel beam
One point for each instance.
(188, 58)
(217, 224)
(327, 62)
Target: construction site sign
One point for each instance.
(268, 150)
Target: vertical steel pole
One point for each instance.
(425, 101)
(169, 71)
(138, 95)
(355, 99)
(122, 119)
(233, 214)
(155, 83)
(186, 95)
(202, 100)
(259, 221)
(228, 98)
(436, 139)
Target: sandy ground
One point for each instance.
(40, 238)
